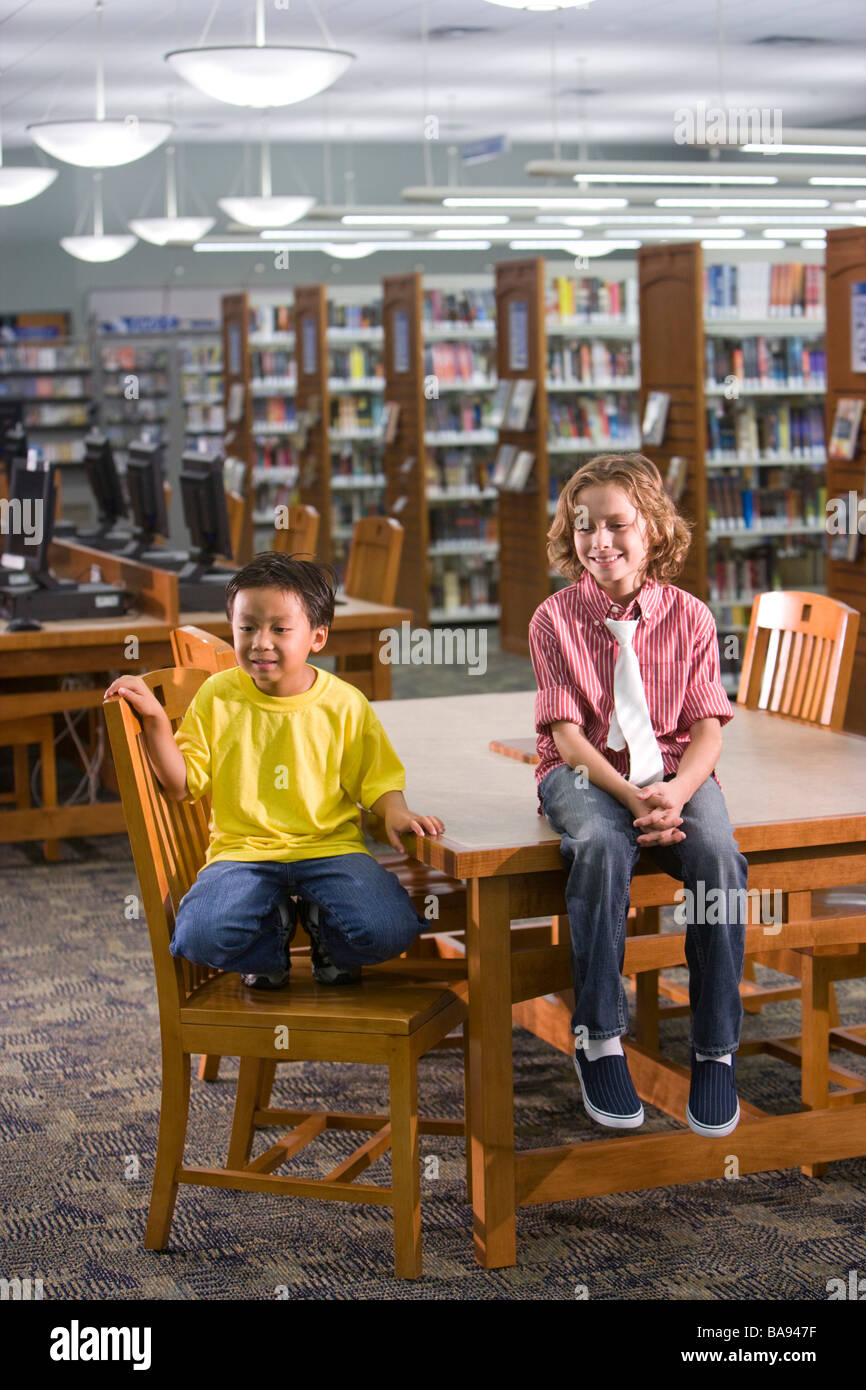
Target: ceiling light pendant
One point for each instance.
(21, 182)
(349, 250)
(266, 210)
(180, 231)
(98, 246)
(99, 144)
(260, 74)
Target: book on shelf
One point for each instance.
(675, 477)
(761, 290)
(593, 362)
(459, 307)
(499, 405)
(846, 428)
(519, 405)
(774, 505)
(761, 363)
(462, 414)
(273, 364)
(450, 363)
(356, 363)
(593, 299)
(390, 421)
(519, 473)
(603, 420)
(348, 316)
(754, 431)
(505, 456)
(267, 319)
(655, 417)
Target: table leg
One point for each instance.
(815, 1042)
(381, 670)
(491, 1080)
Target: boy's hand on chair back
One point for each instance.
(139, 695)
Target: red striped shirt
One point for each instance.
(573, 656)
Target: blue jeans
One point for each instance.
(229, 919)
(600, 851)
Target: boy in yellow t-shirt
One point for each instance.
(288, 753)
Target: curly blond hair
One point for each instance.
(668, 534)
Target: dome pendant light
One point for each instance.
(21, 182)
(260, 74)
(98, 247)
(266, 210)
(179, 231)
(99, 144)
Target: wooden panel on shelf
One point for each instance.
(523, 519)
(405, 483)
(846, 581)
(670, 289)
(239, 441)
(311, 347)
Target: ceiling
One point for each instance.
(619, 69)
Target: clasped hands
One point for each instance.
(657, 813)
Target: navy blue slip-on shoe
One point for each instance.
(608, 1091)
(713, 1109)
(325, 972)
(288, 911)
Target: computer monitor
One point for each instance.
(144, 482)
(104, 479)
(204, 505)
(29, 519)
(13, 437)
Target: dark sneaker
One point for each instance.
(608, 1091)
(288, 911)
(713, 1108)
(325, 972)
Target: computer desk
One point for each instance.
(137, 642)
(797, 800)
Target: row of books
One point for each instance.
(51, 416)
(766, 362)
(357, 411)
(134, 359)
(463, 307)
(455, 468)
(356, 363)
(600, 420)
(467, 411)
(356, 463)
(195, 386)
(42, 387)
(459, 525)
(273, 364)
(355, 315)
(147, 408)
(458, 361)
(348, 507)
(761, 290)
(145, 384)
(750, 431)
(205, 417)
(459, 588)
(44, 359)
(201, 356)
(744, 574)
(594, 363)
(731, 507)
(266, 319)
(274, 410)
(593, 299)
(274, 453)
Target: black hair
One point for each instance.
(313, 583)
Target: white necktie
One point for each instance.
(630, 722)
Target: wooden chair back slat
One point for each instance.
(201, 651)
(799, 657)
(374, 559)
(301, 535)
(168, 838)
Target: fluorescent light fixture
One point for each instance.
(837, 181)
(552, 219)
(767, 219)
(262, 247)
(178, 231)
(329, 234)
(266, 211)
(675, 178)
(576, 248)
(792, 233)
(99, 144)
(742, 203)
(421, 219)
(503, 233)
(572, 204)
(688, 233)
(758, 148)
(97, 247)
(712, 245)
(814, 245)
(260, 75)
(21, 182)
(541, 5)
(350, 251)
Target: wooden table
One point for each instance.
(136, 642)
(797, 799)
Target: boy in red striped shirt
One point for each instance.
(629, 713)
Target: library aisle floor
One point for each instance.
(82, 1072)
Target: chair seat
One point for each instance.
(383, 1003)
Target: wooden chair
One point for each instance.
(301, 534)
(18, 734)
(391, 1019)
(198, 650)
(371, 574)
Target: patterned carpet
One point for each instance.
(81, 1071)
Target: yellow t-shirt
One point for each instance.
(286, 774)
